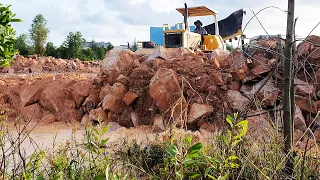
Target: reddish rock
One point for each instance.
(113, 100)
(123, 80)
(160, 52)
(135, 119)
(199, 111)
(304, 89)
(299, 121)
(80, 91)
(258, 72)
(208, 127)
(220, 59)
(104, 91)
(113, 126)
(305, 104)
(259, 126)
(129, 98)
(32, 112)
(53, 95)
(31, 93)
(268, 94)
(240, 73)
(85, 119)
(92, 100)
(47, 119)
(237, 101)
(303, 49)
(158, 124)
(297, 135)
(119, 61)
(166, 91)
(234, 85)
(221, 78)
(98, 114)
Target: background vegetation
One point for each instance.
(73, 47)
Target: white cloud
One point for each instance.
(120, 21)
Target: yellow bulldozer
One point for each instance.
(181, 36)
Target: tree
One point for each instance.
(110, 46)
(21, 43)
(74, 44)
(7, 35)
(51, 50)
(39, 33)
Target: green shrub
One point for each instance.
(7, 35)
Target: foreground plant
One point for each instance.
(7, 35)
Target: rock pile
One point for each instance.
(177, 87)
(35, 64)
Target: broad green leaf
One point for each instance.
(100, 177)
(243, 122)
(192, 175)
(172, 150)
(230, 120)
(16, 20)
(232, 157)
(206, 172)
(105, 129)
(195, 147)
(1, 48)
(234, 143)
(193, 154)
(104, 142)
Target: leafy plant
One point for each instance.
(234, 135)
(7, 35)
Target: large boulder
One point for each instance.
(237, 101)
(304, 89)
(199, 111)
(32, 112)
(120, 61)
(259, 126)
(98, 114)
(113, 100)
(161, 53)
(30, 93)
(166, 91)
(80, 91)
(54, 94)
(268, 93)
(104, 91)
(219, 57)
(307, 105)
(256, 73)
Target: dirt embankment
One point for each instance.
(178, 87)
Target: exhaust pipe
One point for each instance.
(186, 14)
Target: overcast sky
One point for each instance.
(120, 21)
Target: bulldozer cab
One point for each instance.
(181, 36)
(200, 11)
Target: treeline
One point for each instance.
(35, 42)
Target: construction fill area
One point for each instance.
(167, 89)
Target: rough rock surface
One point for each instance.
(199, 111)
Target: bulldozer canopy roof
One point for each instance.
(198, 11)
